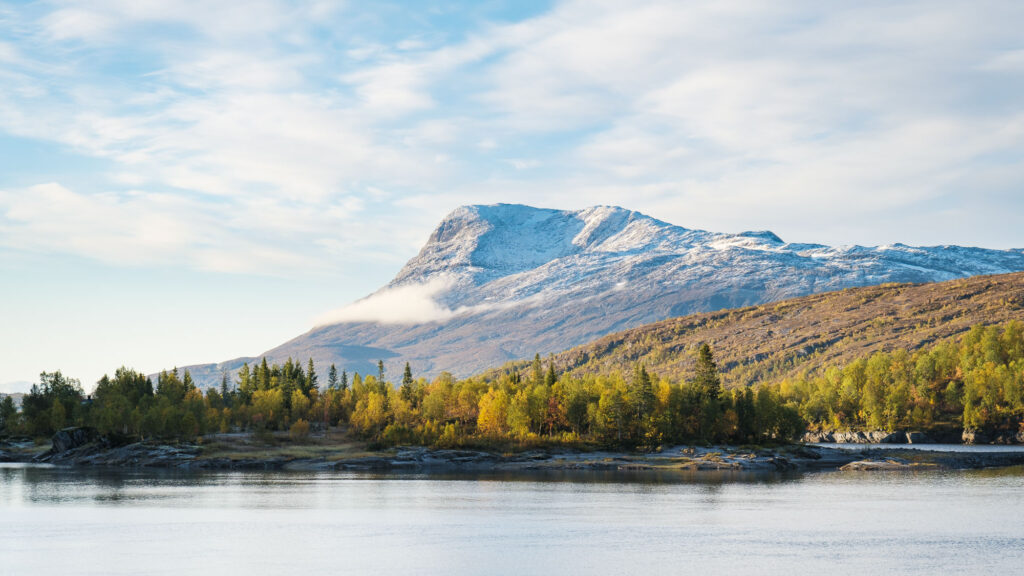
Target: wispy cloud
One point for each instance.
(408, 304)
(270, 137)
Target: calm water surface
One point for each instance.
(59, 521)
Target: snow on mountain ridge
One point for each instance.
(510, 253)
(485, 242)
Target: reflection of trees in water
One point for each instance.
(43, 484)
(104, 486)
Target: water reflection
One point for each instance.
(166, 521)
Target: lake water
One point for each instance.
(60, 521)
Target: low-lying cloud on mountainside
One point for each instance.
(409, 304)
(413, 304)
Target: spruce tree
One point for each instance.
(538, 370)
(332, 378)
(406, 389)
(707, 379)
(344, 380)
(263, 375)
(224, 388)
(643, 392)
(311, 379)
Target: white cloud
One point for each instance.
(414, 304)
(21, 386)
(102, 20)
(10, 54)
(409, 304)
(392, 89)
(523, 163)
(1007, 61)
(76, 23)
(144, 229)
(729, 114)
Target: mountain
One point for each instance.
(16, 397)
(800, 336)
(502, 282)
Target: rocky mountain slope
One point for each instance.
(497, 283)
(801, 335)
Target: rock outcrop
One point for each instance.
(884, 464)
(71, 438)
(868, 437)
(973, 436)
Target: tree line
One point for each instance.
(976, 382)
(535, 406)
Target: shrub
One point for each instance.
(299, 430)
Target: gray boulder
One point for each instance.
(71, 438)
(822, 436)
(883, 437)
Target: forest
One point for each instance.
(976, 382)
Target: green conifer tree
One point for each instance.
(707, 379)
(643, 392)
(263, 375)
(311, 378)
(406, 388)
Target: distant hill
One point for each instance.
(16, 397)
(800, 335)
(499, 283)
(19, 386)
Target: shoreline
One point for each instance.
(685, 459)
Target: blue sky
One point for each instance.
(191, 181)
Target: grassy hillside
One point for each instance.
(796, 337)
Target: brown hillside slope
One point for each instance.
(799, 336)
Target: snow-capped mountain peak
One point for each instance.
(517, 255)
(505, 281)
(488, 242)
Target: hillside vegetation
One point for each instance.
(797, 338)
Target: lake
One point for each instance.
(87, 521)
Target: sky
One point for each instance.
(192, 181)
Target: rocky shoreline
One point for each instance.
(75, 447)
(951, 436)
